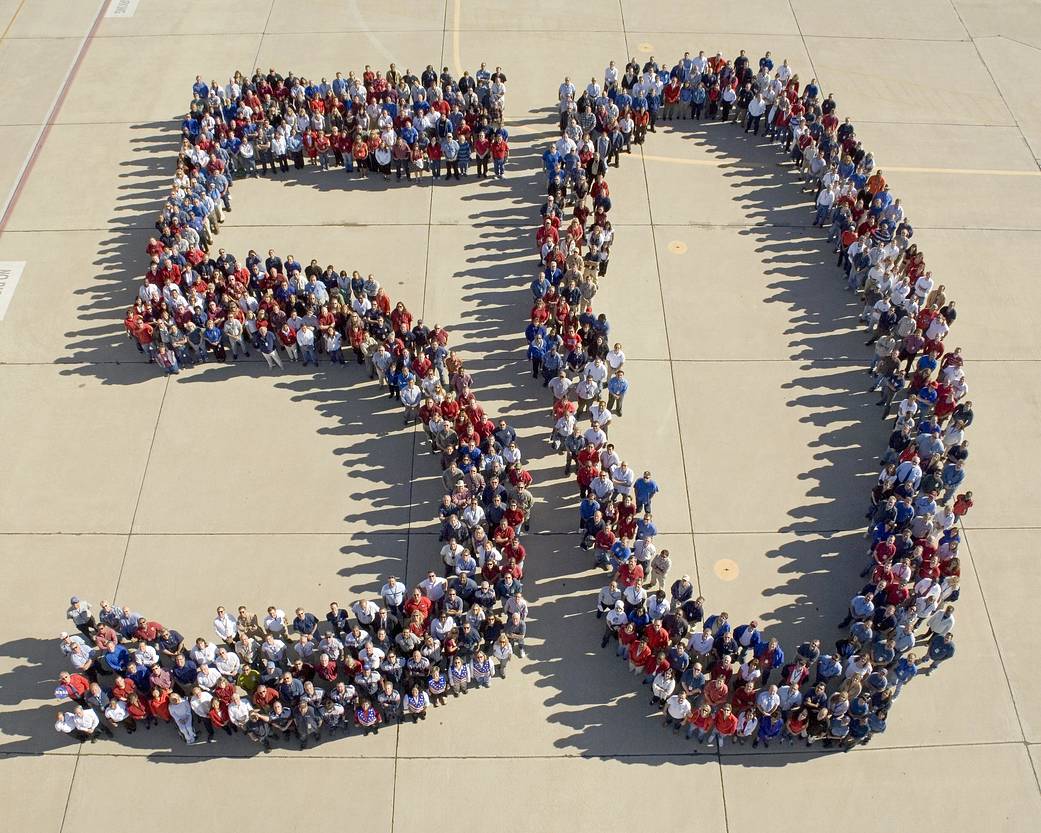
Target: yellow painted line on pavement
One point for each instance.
(14, 17)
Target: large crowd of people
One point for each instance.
(380, 123)
(277, 677)
(194, 304)
(715, 679)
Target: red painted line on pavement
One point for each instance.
(51, 116)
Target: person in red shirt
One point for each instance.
(74, 685)
(159, 705)
(640, 654)
(219, 716)
(500, 153)
(631, 572)
(716, 691)
(627, 637)
(724, 726)
(700, 722)
(418, 603)
(137, 711)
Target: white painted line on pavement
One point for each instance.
(122, 8)
(10, 274)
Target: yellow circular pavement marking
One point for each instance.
(646, 47)
(678, 247)
(726, 570)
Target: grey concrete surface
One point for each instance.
(747, 403)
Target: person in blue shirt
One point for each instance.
(214, 336)
(117, 658)
(770, 727)
(644, 489)
(551, 160)
(645, 526)
(617, 387)
(941, 649)
(536, 353)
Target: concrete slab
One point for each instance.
(342, 199)
(319, 52)
(1005, 578)
(1007, 56)
(987, 19)
(124, 170)
(556, 782)
(27, 67)
(736, 294)
(462, 259)
(373, 779)
(538, 69)
(716, 174)
(47, 18)
(816, 478)
(529, 16)
(908, 82)
(353, 458)
(152, 18)
(976, 161)
(1006, 796)
(758, 16)
(82, 446)
(367, 16)
(801, 585)
(93, 96)
(889, 20)
(35, 789)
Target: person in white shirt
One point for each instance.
(238, 711)
(747, 725)
(225, 625)
(602, 487)
(116, 712)
(200, 703)
(767, 700)
(203, 652)
(595, 436)
(623, 479)
(662, 687)
(207, 677)
(677, 710)
(81, 723)
(615, 358)
(599, 414)
(434, 587)
(393, 593)
(365, 611)
(227, 663)
(273, 649)
(608, 598)
(275, 622)
(146, 655)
